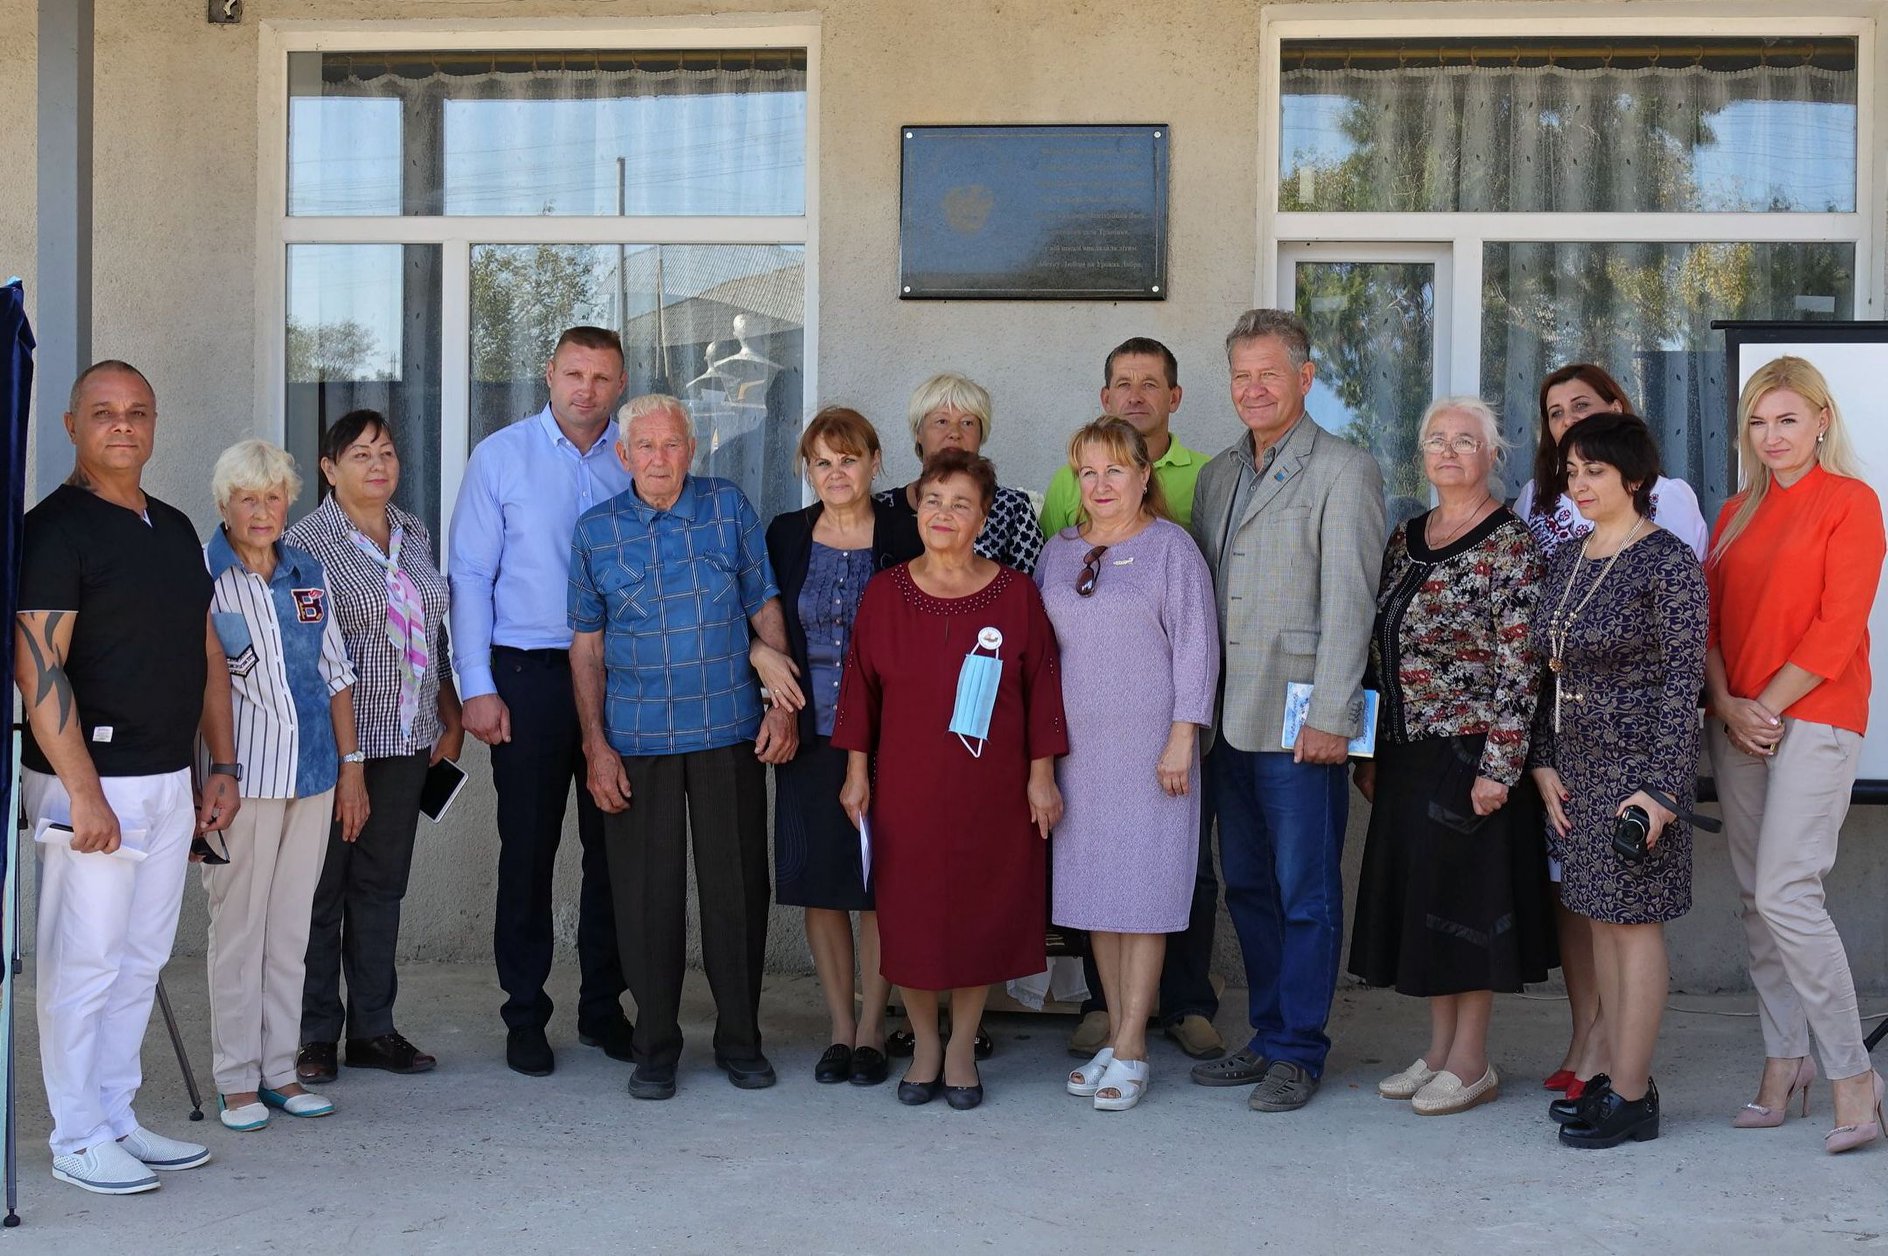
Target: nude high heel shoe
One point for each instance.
(1849, 1137)
(1754, 1116)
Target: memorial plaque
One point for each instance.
(1059, 213)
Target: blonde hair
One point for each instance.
(950, 391)
(1833, 451)
(1124, 444)
(253, 464)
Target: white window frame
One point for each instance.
(1466, 232)
(276, 229)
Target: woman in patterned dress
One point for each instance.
(1451, 902)
(1126, 588)
(1621, 622)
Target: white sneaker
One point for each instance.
(159, 1152)
(105, 1169)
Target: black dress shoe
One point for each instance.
(835, 1065)
(752, 1074)
(1612, 1120)
(652, 1081)
(869, 1067)
(900, 1043)
(528, 1051)
(984, 1047)
(390, 1052)
(314, 1062)
(917, 1094)
(964, 1098)
(1563, 1111)
(615, 1037)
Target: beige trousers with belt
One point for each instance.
(1782, 816)
(260, 903)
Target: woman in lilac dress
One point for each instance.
(1132, 604)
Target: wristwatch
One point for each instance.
(232, 770)
(354, 756)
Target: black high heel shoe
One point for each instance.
(1566, 1111)
(964, 1098)
(1612, 1120)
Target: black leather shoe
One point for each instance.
(964, 1098)
(615, 1037)
(917, 1094)
(835, 1065)
(528, 1051)
(869, 1067)
(1563, 1111)
(900, 1043)
(314, 1062)
(754, 1074)
(390, 1052)
(652, 1081)
(1612, 1120)
(985, 1046)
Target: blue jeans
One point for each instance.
(1281, 847)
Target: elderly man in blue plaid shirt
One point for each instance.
(666, 581)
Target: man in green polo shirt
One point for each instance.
(1140, 383)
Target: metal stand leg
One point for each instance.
(183, 1059)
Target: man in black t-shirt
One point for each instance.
(118, 667)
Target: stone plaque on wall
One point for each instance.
(1062, 213)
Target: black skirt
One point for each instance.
(816, 848)
(1449, 902)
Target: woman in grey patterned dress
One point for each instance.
(1622, 623)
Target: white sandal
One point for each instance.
(1086, 1080)
(1128, 1079)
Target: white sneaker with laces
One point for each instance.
(159, 1152)
(105, 1169)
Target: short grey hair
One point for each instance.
(653, 403)
(1282, 324)
(253, 465)
(1475, 408)
(950, 391)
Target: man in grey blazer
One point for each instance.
(1291, 521)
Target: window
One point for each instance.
(1489, 207)
(443, 211)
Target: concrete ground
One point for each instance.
(474, 1158)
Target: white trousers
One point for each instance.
(260, 905)
(105, 930)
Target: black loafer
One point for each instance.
(389, 1052)
(1567, 1111)
(869, 1067)
(652, 1081)
(835, 1065)
(528, 1051)
(615, 1037)
(315, 1062)
(964, 1098)
(917, 1094)
(754, 1074)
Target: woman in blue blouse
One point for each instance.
(822, 557)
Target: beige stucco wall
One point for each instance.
(19, 176)
(175, 291)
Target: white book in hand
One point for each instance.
(1298, 708)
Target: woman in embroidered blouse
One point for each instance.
(822, 557)
(1450, 901)
(1567, 396)
(952, 412)
(390, 599)
(1795, 566)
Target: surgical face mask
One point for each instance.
(976, 699)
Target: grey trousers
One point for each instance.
(720, 796)
(1782, 816)
(356, 921)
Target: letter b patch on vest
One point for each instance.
(308, 602)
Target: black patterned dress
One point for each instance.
(1629, 683)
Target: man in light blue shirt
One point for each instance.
(509, 563)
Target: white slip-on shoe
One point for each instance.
(243, 1117)
(105, 1169)
(1128, 1080)
(1405, 1084)
(1446, 1094)
(159, 1152)
(1086, 1080)
(308, 1103)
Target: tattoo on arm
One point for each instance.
(49, 673)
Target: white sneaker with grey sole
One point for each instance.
(159, 1152)
(105, 1169)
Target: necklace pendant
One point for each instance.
(1553, 665)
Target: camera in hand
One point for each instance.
(1629, 834)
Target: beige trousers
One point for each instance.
(1782, 816)
(260, 903)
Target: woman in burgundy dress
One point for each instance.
(950, 708)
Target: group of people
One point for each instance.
(981, 718)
